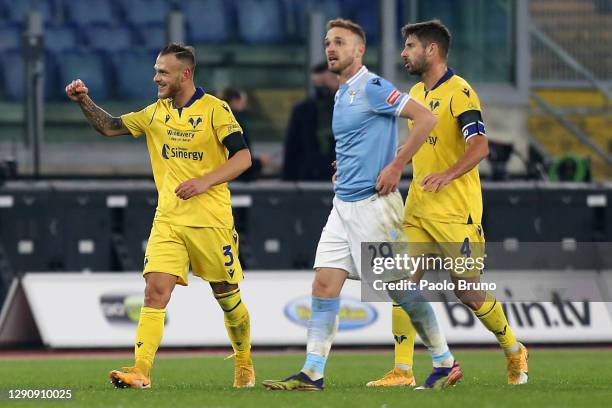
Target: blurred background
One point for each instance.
(541, 67)
(71, 200)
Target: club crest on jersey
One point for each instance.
(433, 105)
(393, 97)
(194, 121)
(167, 118)
(352, 95)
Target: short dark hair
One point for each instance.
(348, 25)
(319, 68)
(183, 53)
(428, 32)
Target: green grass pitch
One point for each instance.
(557, 378)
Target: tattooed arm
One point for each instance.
(102, 121)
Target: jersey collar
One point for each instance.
(449, 73)
(199, 92)
(357, 75)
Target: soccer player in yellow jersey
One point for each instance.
(196, 147)
(444, 204)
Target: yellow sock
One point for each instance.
(148, 336)
(237, 322)
(492, 316)
(404, 334)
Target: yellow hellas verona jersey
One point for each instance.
(461, 200)
(183, 144)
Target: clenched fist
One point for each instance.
(76, 90)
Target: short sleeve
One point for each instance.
(384, 98)
(138, 122)
(465, 106)
(464, 99)
(224, 122)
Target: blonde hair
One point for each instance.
(348, 25)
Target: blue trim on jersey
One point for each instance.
(199, 92)
(448, 75)
(197, 95)
(474, 128)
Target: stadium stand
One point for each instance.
(88, 66)
(109, 39)
(60, 38)
(213, 26)
(571, 23)
(16, 11)
(259, 45)
(152, 36)
(134, 74)
(300, 10)
(10, 37)
(85, 13)
(367, 14)
(12, 69)
(139, 12)
(261, 21)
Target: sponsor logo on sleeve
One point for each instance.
(393, 97)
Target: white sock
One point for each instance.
(405, 367)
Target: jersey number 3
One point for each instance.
(227, 251)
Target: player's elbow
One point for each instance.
(105, 132)
(246, 161)
(428, 121)
(485, 150)
(111, 132)
(480, 146)
(483, 144)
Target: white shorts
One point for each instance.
(375, 219)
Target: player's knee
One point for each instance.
(469, 298)
(321, 288)
(157, 296)
(223, 287)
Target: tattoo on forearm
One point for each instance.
(98, 117)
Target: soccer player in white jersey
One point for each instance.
(367, 206)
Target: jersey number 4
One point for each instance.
(465, 248)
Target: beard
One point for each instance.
(340, 66)
(169, 91)
(418, 67)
